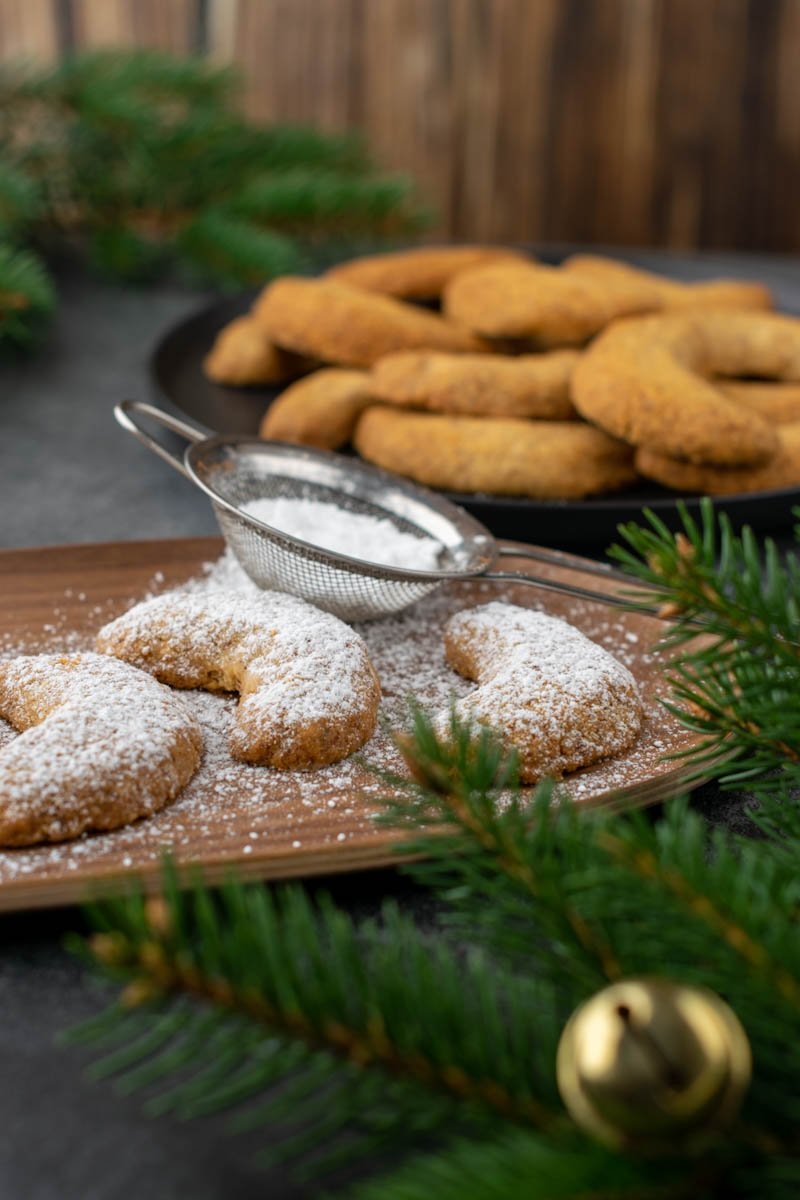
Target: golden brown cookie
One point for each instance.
(243, 354)
(419, 274)
(505, 457)
(492, 385)
(646, 381)
(320, 410)
(557, 698)
(550, 306)
(778, 403)
(673, 294)
(101, 744)
(338, 323)
(308, 695)
(782, 471)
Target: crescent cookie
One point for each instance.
(782, 471)
(705, 293)
(308, 694)
(338, 323)
(491, 385)
(550, 306)
(778, 403)
(243, 354)
(555, 696)
(320, 410)
(101, 744)
(419, 274)
(645, 381)
(505, 457)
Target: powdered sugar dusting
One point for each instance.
(327, 812)
(359, 535)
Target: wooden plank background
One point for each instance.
(640, 122)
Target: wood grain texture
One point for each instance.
(29, 29)
(267, 824)
(161, 24)
(663, 122)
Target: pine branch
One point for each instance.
(312, 196)
(150, 74)
(307, 994)
(302, 995)
(299, 147)
(521, 1164)
(233, 250)
(714, 911)
(26, 296)
(20, 200)
(735, 685)
(144, 157)
(386, 1038)
(737, 588)
(467, 784)
(122, 253)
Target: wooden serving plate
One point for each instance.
(269, 824)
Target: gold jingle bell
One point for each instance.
(653, 1066)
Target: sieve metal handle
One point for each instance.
(125, 413)
(560, 558)
(566, 589)
(613, 599)
(571, 562)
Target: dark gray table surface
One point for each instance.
(68, 474)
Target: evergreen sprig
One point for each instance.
(26, 295)
(361, 1039)
(20, 199)
(302, 992)
(737, 684)
(145, 160)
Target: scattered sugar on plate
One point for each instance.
(358, 535)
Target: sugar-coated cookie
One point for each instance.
(557, 698)
(308, 694)
(101, 744)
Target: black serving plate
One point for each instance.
(177, 374)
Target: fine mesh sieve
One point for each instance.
(234, 471)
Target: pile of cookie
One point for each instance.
(478, 369)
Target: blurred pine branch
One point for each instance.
(26, 295)
(143, 161)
